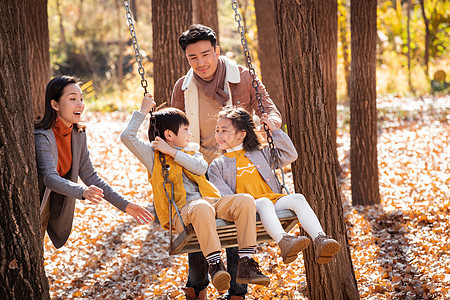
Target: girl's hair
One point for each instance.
(54, 91)
(167, 118)
(242, 121)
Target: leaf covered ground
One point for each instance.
(400, 249)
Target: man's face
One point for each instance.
(203, 59)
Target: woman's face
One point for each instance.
(70, 106)
(226, 135)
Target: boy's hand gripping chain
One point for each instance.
(162, 158)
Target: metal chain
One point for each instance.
(255, 84)
(144, 84)
(137, 53)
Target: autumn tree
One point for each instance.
(327, 29)
(37, 35)
(22, 274)
(307, 123)
(268, 53)
(363, 111)
(169, 19)
(205, 12)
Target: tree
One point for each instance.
(307, 122)
(169, 19)
(22, 274)
(205, 12)
(268, 53)
(327, 29)
(427, 37)
(363, 110)
(344, 36)
(38, 52)
(408, 31)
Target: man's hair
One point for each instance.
(167, 118)
(195, 33)
(242, 121)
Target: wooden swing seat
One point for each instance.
(187, 241)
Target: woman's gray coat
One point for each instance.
(65, 191)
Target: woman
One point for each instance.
(62, 156)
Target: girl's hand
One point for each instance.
(93, 194)
(162, 146)
(147, 104)
(265, 120)
(141, 215)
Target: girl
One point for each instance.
(245, 167)
(62, 155)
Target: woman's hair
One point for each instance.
(242, 121)
(167, 118)
(54, 91)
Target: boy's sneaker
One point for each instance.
(249, 272)
(290, 246)
(219, 276)
(325, 248)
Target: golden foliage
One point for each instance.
(400, 249)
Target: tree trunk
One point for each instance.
(307, 122)
(268, 53)
(169, 19)
(120, 44)
(205, 12)
(38, 52)
(134, 9)
(345, 44)
(326, 14)
(427, 38)
(22, 274)
(363, 108)
(408, 31)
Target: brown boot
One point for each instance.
(249, 272)
(325, 248)
(219, 276)
(290, 246)
(189, 292)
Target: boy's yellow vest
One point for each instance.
(160, 201)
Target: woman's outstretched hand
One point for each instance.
(141, 215)
(93, 194)
(147, 104)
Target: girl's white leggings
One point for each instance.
(294, 202)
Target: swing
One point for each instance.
(186, 241)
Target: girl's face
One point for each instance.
(227, 136)
(70, 106)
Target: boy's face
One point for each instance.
(181, 139)
(203, 59)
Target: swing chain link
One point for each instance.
(137, 53)
(255, 84)
(144, 84)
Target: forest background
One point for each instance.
(399, 244)
(96, 47)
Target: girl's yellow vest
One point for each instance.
(207, 189)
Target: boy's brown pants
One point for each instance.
(201, 213)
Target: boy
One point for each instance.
(199, 201)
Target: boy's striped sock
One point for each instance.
(246, 252)
(213, 258)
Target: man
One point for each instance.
(213, 82)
